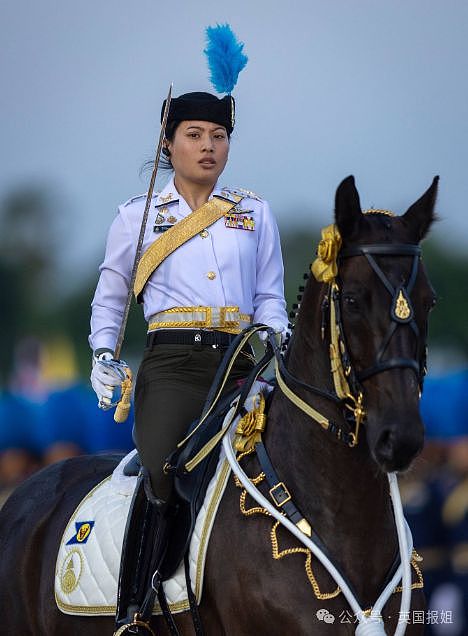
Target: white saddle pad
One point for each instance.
(88, 561)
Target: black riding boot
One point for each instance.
(143, 551)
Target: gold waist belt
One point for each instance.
(228, 319)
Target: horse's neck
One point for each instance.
(339, 489)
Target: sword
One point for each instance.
(123, 406)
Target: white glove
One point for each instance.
(280, 333)
(107, 376)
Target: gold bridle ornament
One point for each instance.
(325, 269)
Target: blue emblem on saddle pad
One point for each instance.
(82, 532)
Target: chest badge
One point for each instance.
(239, 222)
(158, 221)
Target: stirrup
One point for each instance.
(135, 623)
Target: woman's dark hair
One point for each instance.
(165, 159)
(165, 163)
(171, 128)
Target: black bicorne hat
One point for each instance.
(204, 107)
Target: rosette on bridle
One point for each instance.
(325, 267)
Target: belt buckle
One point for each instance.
(197, 340)
(280, 494)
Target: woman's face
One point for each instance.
(199, 151)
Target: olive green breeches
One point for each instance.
(171, 388)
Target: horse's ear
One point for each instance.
(419, 217)
(347, 207)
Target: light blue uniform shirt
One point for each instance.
(222, 266)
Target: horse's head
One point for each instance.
(384, 301)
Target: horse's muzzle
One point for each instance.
(397, 444)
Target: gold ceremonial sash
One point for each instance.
(176, 236)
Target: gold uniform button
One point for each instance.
(204, 233)
(211, 275)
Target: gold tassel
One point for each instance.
(123, 407)
(250, 427)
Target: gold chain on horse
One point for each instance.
(278, 553)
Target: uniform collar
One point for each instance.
(168, 195)
(226, 193)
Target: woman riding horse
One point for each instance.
(220, 278)
(258, 580)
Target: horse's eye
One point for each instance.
(350, 302)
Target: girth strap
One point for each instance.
(170, 622)
(196, 618)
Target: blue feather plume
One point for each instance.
(225, 57)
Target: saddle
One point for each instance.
(190, 487)
(192, 464)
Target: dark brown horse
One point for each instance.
(341, 488)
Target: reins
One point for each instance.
(348, 437)
(369, 624)
(348, 390)
(349, 394)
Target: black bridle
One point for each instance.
(401, 313)
(401, 309)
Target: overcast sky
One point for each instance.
(376, 88)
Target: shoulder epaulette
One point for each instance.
(242, 192)
(140, 196)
